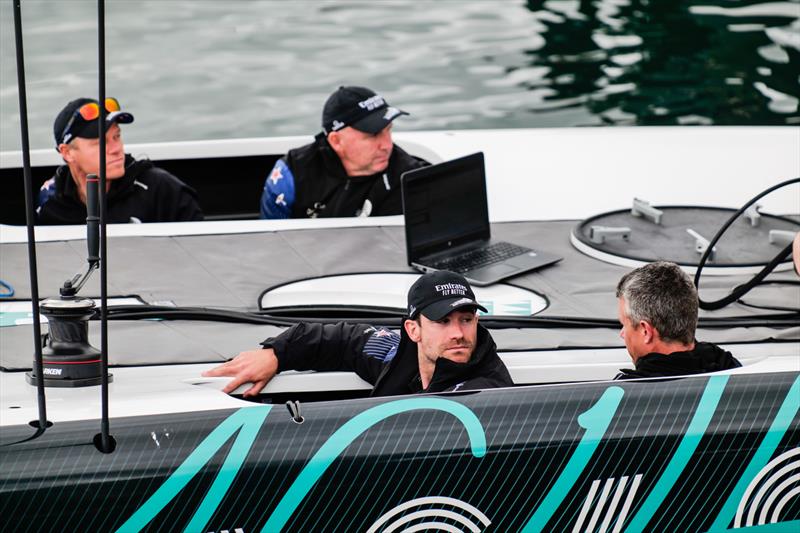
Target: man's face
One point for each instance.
(453, 337)
(630, 333)
(362, 154)
(83, 155)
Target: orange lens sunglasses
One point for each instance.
(88, 112)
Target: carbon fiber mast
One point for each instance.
(103, 440)
(41, 424)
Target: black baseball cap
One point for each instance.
(438, 294)
(359, 108)
(70, 123)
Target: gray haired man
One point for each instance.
(658, 311)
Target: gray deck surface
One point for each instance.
(231, 271)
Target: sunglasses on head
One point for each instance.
(88, 112)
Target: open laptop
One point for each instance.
(447, 224)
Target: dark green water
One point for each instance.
(727, 63)
(206, 69)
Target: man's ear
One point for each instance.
(648, 332)
(335, 140)
(63, 149)
(412, 330)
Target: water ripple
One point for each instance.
(196, 70)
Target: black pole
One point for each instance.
(106, 444)
(42, 423)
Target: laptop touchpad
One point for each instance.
(498, 270)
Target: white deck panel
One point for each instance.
(140, 391)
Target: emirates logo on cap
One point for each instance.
(372, 103)
(451, 289)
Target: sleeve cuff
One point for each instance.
(279, 347)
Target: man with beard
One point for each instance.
(440, 348)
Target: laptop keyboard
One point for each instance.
(480, 257)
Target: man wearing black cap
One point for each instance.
(351, 169)
(137, 190)
(440, 348)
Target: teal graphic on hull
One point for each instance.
(247, 421)
(356, 426)
(595, 421)
(278, 497)
(697, 428)
(786, 413)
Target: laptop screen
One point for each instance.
(445, 206)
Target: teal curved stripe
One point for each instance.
(595, 421)
(786, 413)
(697, 428)
(780, 527)
(351, 430)
(247, 421)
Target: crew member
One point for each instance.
(351, 169)
(137, 191)
(441, 347)
(658, 306)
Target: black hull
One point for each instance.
(668, 455)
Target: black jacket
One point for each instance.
(705, 357)
(385, 359)
(145, 193)
(316, 185)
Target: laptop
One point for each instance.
(447, 225)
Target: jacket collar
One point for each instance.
(65, 184)
(705, 357)
(329, 157)
(403, 372)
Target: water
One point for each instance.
(206, 69)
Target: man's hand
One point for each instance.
(256, 367)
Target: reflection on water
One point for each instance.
(669, 62)
(202, 69)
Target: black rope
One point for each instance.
(148, 312)
(743, 289)
(792, 282)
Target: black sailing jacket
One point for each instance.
(145, 193)
(322, 188)
(705, 357)
(385, 359)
